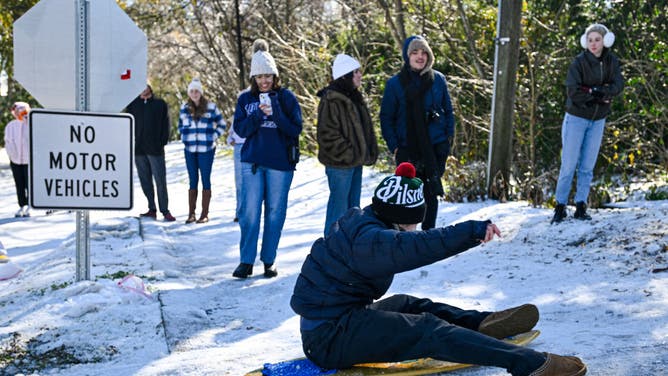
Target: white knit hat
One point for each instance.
(195, 84)
(343, 64)
(262, 62)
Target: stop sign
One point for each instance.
(46, 57)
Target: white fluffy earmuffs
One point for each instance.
(608, 37)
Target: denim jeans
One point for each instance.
(262, 185)
(237, 177)
(199, 163)
(404, 327)
(345, 186)
(581, 141)
(151, 167)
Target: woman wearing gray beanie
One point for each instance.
(270, 119)
(594, 79)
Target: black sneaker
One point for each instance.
(243, 271)
(581, 211)
(559, 213)
(270, 271)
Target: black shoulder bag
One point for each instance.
(292, 142)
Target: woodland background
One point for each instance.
(191, 38)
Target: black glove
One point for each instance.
(598, 91)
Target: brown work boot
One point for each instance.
(557, 365)
(510, 322)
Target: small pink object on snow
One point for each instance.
(135, 284)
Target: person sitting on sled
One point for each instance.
(346, 271)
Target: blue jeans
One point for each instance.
(237, 177)
(150, 167)
(581, 141)
(199, 163)
(260, 184)
(345, 185)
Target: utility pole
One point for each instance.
(506, 59)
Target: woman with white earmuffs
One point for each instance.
(594, 78)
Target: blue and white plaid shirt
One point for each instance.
(200, 135)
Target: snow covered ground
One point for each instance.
(601, 286)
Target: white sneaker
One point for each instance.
(25, 210)
(19, 213)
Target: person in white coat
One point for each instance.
(17, 146)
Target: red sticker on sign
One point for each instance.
(126, 75)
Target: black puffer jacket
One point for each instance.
(356, 263)
(151, 125)
(587, 71)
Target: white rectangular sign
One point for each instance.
(80, 160)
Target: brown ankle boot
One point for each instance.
(192, 202)
(510, 322)
(206, 199)
(557, 365)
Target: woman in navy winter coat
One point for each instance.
(271, 127)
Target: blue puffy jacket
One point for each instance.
(393, 110)
(356, 263)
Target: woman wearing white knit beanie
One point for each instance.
(346, 140)
(268, 116)
(200, 125)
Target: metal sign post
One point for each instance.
(81, 161)
(83, 262)
(102, 69)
